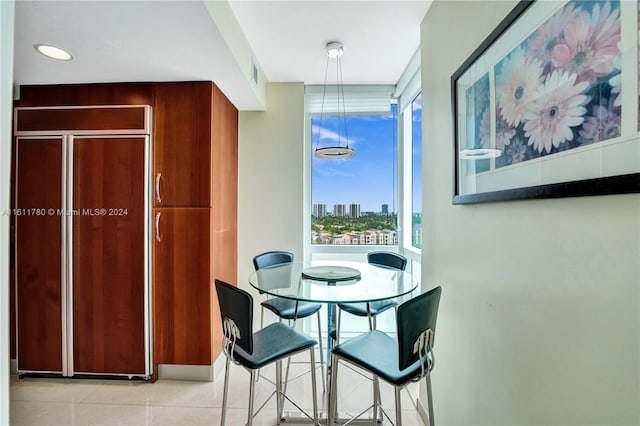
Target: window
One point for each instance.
(354, 200)
(416, 172)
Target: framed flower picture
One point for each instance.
(548, 106)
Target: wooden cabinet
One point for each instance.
(182, 155)
(109, 260)
(182, 276)
(193, 188)
(82, 236)
(39, 254)
(195, 166)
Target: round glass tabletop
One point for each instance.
(333, 282)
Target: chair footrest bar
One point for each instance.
(298, 417)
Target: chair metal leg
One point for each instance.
(338, 318)
(333, 400)
(225, 392)
(286, 376)
(279, 399)
(376, 397)
(252, 389)
(432, 421)
(313, 385)
(398, 407)
(321, 355)
(261, 327)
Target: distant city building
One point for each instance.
(346, 238)
(319, 210)
(339, 210)
(417, 236)
(354, 210)
(331, 234)
(387, 237)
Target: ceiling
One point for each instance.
(178, 40)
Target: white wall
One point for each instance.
(539, 320)
(6, 99)
(270, 174)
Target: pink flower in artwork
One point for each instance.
(516, 151)
(602, 125)
(504, 133)
(590, 44)
(541, 43)
(558, 108)
(517, 83)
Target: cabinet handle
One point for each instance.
(158, 239)
(158, 197)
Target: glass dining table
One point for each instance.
(332, 283)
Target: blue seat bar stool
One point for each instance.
(409, 358)
(287, 309)
(256, 350)
(372, 309)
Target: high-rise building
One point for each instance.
(339, 210)
(385, 209)
(417, 236)
(354, 210)
(319, 210)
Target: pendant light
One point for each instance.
(479, 154)
(335, 51)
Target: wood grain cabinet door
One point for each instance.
(109, 255)
(182, 144)
(39, 254)
(182, 286)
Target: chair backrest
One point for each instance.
(237, 306)
(387, 258)
(414, 317)
(270, 258)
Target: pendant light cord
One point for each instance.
(344, 108)
(324, 93)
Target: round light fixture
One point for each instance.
(335, 152)
(53, 52)
(479, 154)
(334, 49)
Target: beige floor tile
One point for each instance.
(171, 402)
(111, 414)
(160, 393)
(40, 413)
(52, 390)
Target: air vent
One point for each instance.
(254, 72)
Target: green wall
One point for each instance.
(540, 320)
(270, 175)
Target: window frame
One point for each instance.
(408, 87)
(338, 249)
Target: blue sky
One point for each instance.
(416, 144)
(369, 178)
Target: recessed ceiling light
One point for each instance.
(53, 52)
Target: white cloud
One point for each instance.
(417, 103)
(329, 135)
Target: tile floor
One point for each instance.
(39, 401)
